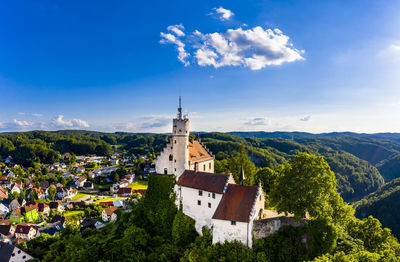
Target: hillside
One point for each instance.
(384, 204)
(351, 157)
(390, 168)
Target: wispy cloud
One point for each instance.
(173, 38)
(305, 119)
(257, 121)
(222, 13)
(254, 48)
(30, 114)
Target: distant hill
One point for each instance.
(384, 204)
(390, 168)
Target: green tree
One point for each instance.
(241, 159)
(306, 184)
(183, 229)
(267, 178)
(52, 192)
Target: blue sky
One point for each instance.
(315, 66)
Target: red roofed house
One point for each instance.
(109, 214)
(26, 232)
(200, 194)
(124, 191)
(3, 193)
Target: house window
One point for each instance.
(200, 193)
(209, 166)
(204, 167)
(175, 141)
(175, 169)
(175, 160)
(260, 197)
(209, 204)
(199, 202)
(233, 223)
(209, 194)
(165, 171)
(213, 195)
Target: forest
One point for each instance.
(362, 163)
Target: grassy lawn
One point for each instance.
(107, 186)
(107, 199)
(139, 185)
(79, 195)
(73, 213)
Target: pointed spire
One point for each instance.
(180, 109)
(242, 177)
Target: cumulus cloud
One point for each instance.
(223, 14)
(257, 121)
(59, 121)
(20, 125)
(254, 48)
(175, 32)
(305, 119)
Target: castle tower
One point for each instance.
(180, 142)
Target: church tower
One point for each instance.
(180, 142)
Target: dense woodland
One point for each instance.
(155, 230)
(362, 163)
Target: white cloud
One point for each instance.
(257, 121)
(173, 38)
(177, 29)
(59, 121)
(30, 114)
(305, 119)
(224, 14)
(254, 48)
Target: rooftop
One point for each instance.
(203, 181)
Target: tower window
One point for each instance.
(180, 130)
(209, 205)
(199, 202)
(233, 223)
(200, 193)
(175, 141)
(175, 160)
(170, 157)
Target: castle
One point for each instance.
(213, 200)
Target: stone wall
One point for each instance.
(266, 227)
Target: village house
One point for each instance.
(3, 193)
(124, 191)
(58, 219)
(11, 253)
(15, 188)
(4, 210)
(90, 223)
(30, 213)
(79, 181)
(16, 216)
(88, 186)
(7, 230)
(109, 214)
(17, 203)
(56, 206)
(26, 232)
(52, 229)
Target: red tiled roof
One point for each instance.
(124, 190)
(203, 181)
(107, 203)
(197, 152)
(110, 210)
(23, 229)
(237, 203)
(140, 191)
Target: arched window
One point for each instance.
(170, 158)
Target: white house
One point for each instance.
(25, 232)
(109, 214)
(234, 216)
(80, 181)
(200, 193)
(11, 253)
(3, 209)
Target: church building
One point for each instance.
(214, 201)
(181, 153)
